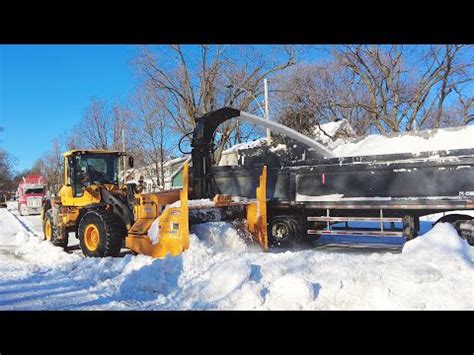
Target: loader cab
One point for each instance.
(85, 168)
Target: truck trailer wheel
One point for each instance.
(52, 232)
(457, 220)
(284, 231)
(101, 233)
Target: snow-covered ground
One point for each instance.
(220, 271)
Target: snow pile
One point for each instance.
(221, 271)
(441, 244)
(279, 147)
(42, 253)
(413, 142)
(335, 133)
(247, 145)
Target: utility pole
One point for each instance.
(267, 113)
(123, 157)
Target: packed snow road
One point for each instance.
(219, 271)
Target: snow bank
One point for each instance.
(41, 253)
(221, 271)
(441, 244)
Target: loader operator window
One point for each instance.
(94, 169)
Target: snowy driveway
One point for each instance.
(219, 271)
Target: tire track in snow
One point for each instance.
(22, 224)
(39, 278)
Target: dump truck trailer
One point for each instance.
(310, 192)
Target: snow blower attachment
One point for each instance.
(172, 233)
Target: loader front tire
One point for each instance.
(101, 233)
(52, 233)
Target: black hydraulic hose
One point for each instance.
(181, 140)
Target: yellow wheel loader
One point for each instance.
(108, 216)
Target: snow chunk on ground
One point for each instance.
(290, 292)
(226, 278)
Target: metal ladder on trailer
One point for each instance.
(408, 231)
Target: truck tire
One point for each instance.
(455, 220)
(53, 233)
(284, 231)
(451, 218)
(101, 233)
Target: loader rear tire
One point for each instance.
(101, 233)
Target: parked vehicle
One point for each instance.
(31, 195)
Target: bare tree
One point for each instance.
(6, 172)
(387, 88)
(315, 94)
(100, 126)
(191, 81)
(51, 165)
(152, 139)
(402, 95)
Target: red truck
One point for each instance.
(31, 194)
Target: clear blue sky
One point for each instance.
(44, 90)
